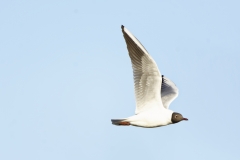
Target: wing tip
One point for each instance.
(123, 28)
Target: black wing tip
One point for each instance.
(162, 75)
(122, 26)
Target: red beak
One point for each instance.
(185, 119)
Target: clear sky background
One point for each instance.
(65, 72)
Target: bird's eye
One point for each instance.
(176, 116)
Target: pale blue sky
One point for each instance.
(65, 72)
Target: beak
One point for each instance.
(185, 119)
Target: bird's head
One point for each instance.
(177, 117)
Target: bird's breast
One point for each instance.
(152, 119)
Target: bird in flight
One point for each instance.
(153, 91)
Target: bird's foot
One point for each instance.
(124, 123)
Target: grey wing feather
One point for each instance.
(169, 91)
(147, 78)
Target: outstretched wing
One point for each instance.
(169, 91)
(147, 78)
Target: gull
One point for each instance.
(153, 91)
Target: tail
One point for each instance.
(120, 122)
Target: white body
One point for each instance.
(151, 118)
